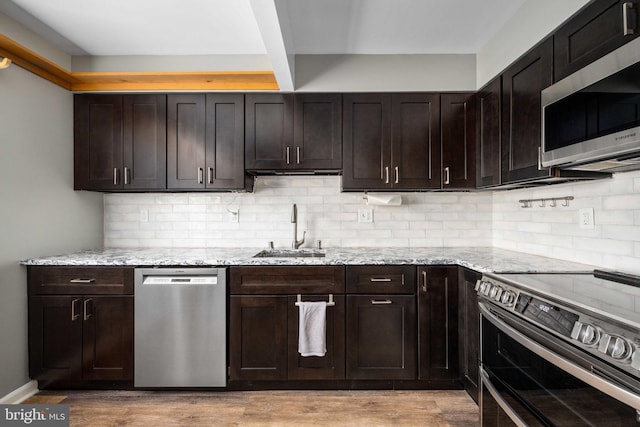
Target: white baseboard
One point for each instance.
(20, 394)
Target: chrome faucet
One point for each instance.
(294, 220)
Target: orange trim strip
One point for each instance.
(132, 81)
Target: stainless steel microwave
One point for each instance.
(591, 119)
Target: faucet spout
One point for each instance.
(294, 220)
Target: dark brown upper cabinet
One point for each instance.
(120, 142)
(489, 100)
(293, 132)
(205, 148)
(391, 141)
(599, 28)
(317, 132)
(458, 124)
(522, 83)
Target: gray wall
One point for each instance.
(39, 211)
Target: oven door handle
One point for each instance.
(613, 390)
(511, 413)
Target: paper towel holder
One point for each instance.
(391, 199)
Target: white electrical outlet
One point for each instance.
(234, 216)
(365, 215)
(144, 215)
(585, 218)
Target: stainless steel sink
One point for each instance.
(290, 253)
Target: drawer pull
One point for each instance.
(82, 281)
(74, 316)
(87, 315)
(380, 279)
(627, 27)
(381, 302)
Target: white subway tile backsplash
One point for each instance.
(423, 220)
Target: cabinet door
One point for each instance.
(268, 131)
(381, 337)
(317, 132)
(55, 338)
(331, 365)
(107, 350)
(258, 338)
(488, 147)
(522, 83)
(458, 121)
(438, 323)
(592, 33)
(225, 141)
(366, 141)
(185, 141)
(98, 142)
(144, 142)
(415, 141)
(469, 335)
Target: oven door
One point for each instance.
(531, 378)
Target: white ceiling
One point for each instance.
(217, 27)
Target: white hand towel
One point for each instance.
(312, 328)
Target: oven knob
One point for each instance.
(616, 347)
(587, 334)
(621, 349)
(485, 288)
(508, 298)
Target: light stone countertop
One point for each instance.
(481, 259)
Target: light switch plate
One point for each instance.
(365, 215)
(585, 219)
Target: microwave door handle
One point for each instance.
(511, 413)
(613, 390)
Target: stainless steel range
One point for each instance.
(560, 349)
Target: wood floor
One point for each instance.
(266, 408)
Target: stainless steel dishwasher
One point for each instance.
(180, 327)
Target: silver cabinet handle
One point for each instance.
(82, 281)
(126, 176)
(115, 176)
(87, 315)
(298, 155)
(74, 316)
(381, 302)
(424, 281)
(200, 175)
(386, 174)
(540, 158)
(626, 29)
(380, 279)
(447, 176)
(397, 180)
(288, 155)
(210, 175)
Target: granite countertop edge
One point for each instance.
(481, 259)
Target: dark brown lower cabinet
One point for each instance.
(438, 323)
(469, 318)
(258, 337)
(381, 337)
(75, 339)
(263, 340)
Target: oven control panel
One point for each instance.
(603, 339)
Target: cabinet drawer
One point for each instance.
(80, 280)
(388, 279)
(287, 280)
